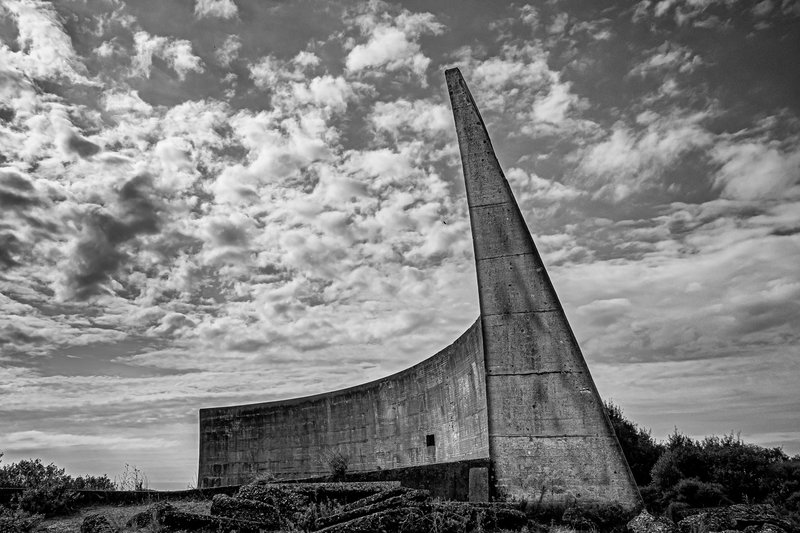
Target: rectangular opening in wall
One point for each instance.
(430, 440)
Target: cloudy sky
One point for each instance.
(228, 201)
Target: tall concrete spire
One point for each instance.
(550, 440)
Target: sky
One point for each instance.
(217, 202)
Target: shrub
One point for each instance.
(338, 463)
(93, 483)
(49, 499)
(719, 471)
(640, 448)
(47, 489)
(18, 521)
(132, 478)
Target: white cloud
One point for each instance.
(46, 50)
(530, 187)
(418, 117)
(392, 43)
(176, 52)
(553, 108)
(629, 158)
(268, 71)
(667, 57)
(225, 9)
(229, 50)
(754, 170)
(325, 91)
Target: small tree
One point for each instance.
(639, 447)
(132, 478)
(337, 462)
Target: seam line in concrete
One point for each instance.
(522, 312)
(532, 372)
(505, 255)
(488, 205)
(521, 435)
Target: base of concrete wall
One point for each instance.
(449, 481)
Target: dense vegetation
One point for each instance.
(48, 489)
(683, 473)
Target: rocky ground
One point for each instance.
(381, 507)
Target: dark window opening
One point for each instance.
(430, 440)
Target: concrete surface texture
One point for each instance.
(432, 412)
(549, 437)
(513, 389)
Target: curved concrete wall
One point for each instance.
(383, 424)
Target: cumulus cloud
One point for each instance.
(45, 49)
(754, 170)
(667, 57)
(519, 82)
(229, 50)
(632, 157)
(225, 9)
(419, 117)
(392, 42)
(176, 52)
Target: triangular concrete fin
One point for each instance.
(549, 436)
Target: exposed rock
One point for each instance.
(752, 518)
(151, 515)
(343, 492)
(756, 515)
(96, 523)
(409, 498)
(180, 521)
(644, 522)
(243, 509)
(375, 498)
(771, 528)
(401, 520)
(706, 522)
(285, 500)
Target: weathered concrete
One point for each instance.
(549, 437)
(514, 390)
(379, 425)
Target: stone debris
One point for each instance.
(487, 516)
(375, 498)
(402, 520)
(151, 515)
(750, 518)
(644, 522)
(408, 499)
(96, 523)
(181, 521)
(244, 509)
(263, 507)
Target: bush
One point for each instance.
(640, 448)
(47, 489)
(17, 521)
(93, 483)
(338, 463)
(48, 499)
(720, 471)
